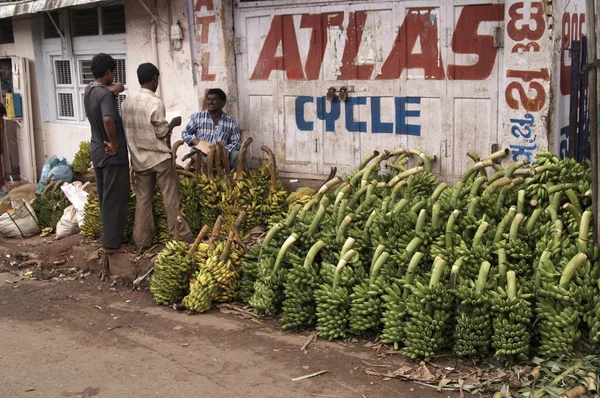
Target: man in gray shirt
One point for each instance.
(109, 151)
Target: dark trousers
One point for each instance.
(112, 184)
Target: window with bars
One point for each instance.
(6, 31)
(71, 78)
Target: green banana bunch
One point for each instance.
(558, 306)
(512, 316)
(366, 302)
(546, 172)
(91, 227)
(250, 262)
(299, 307)
(394, 304)
(83, 158)
(428, 310)
(161, 228)
(130, 219)
(474, 322)
(50, 205)
(476, 254)
(172, 270)
(189, 204)
(268, 288)
(333, 302)
(520, 255)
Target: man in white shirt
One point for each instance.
(147, 133)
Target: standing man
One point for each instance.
(109, 151)
(147, 133)
(212, 126)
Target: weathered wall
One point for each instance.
(214, 45)
(526, 108)
(176, 86)
(24, 46)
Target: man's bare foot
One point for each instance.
(111, 251)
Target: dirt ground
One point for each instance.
(86, 338)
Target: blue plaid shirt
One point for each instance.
(201, 126)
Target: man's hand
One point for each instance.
(117, 88)
(176, 121)
(111, 148)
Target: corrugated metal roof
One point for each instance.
(14, 8)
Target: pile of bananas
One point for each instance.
(172, 270)
(497, 227)
(83, 158)
(91, 227)
(50, 205)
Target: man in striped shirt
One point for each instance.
(214, 125)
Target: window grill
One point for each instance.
(66, 109)
(120, 72)
(85, 72)
(62, 72)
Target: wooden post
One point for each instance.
(593, 104)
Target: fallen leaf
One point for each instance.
(178, 327)
(443, 383)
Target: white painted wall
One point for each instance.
(178, 92)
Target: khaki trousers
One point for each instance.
(165, 175)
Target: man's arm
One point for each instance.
(235, 139)
(161, 127)
(109, 112)
(112, 147)
(188, 134)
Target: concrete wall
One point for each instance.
(24, 46)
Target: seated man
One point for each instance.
(212, 126)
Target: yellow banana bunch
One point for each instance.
(91, 227)
(83, 158)
(171, 277)
(203, 288)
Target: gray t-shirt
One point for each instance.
(100, 102)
